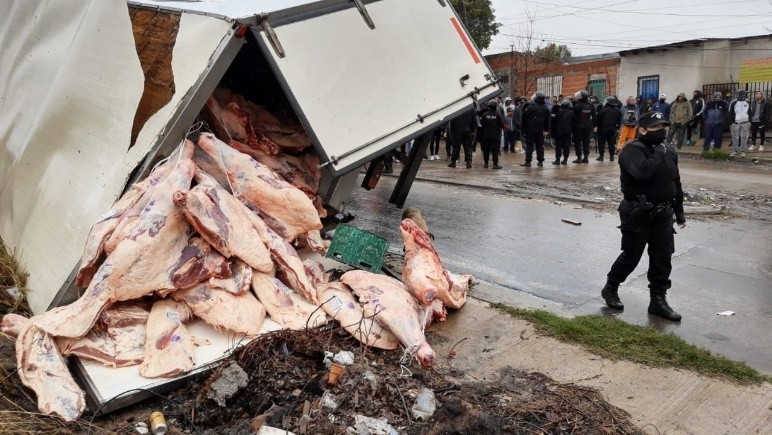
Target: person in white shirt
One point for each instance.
(739, 123)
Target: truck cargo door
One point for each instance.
(366, 76)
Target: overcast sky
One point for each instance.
(602, 26)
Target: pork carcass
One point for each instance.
(156, 256)
(423, 273)
(239, 282)
(286, 307)
(340, 304)
(387, 301)
(230, 122)
(285, 132)
(169, 348)
(222, 220)
(285, 208)
(132, 202)
(43, 370)
(240, 313)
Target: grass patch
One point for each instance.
(614, 339)
(11, 276)
(715, 155)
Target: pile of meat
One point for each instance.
(212, 234)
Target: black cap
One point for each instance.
(650, 119)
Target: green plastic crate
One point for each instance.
(359, 248)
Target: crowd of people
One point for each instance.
(572, 123)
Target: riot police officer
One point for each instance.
(584, 122)
(491, 125)
(651, 186)
(536, 123)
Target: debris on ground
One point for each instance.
(230, 380)
(571, 221)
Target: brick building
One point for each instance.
(524, 74)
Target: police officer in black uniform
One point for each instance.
(536, 123)
(652, 193)
(461, 135)
(491, 125)
(561, 125)
(584, 121)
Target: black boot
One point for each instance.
(600, 158)
(485, 165)
(611, 296)
(496, 165)
(578, 160)
(468, 164)
(564, 161)
(557, 161)
(526, 164)
(659, 307)
(541, 163)
(452, 164)
(586, 159)
(611, 158)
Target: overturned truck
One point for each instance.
(97, 95)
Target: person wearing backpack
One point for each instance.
(561, 125)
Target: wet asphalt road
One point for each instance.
(521, 246)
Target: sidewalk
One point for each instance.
(695, 151)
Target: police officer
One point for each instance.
(536, 123)
(461, 135)
(561, 131)
(584, 121)
(609, 120)
(652, 193)
(491, 125)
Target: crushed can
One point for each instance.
(158, 423)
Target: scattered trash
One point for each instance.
(158, 423)
(425, 405)
(607, 188)
(328, 400)
(336, 372)
(578, 207)
(571, 221)
(328, 358)
(600, 198)
(726, 313)
(370, 376)
(14, 292)
(364, 425)
(558, 202)
(702, 189)
(231, 380)
(270, 430)
(344, 357)
(141, 428)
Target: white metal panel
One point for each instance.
(70, 83)
(226, 8)
(352, 84)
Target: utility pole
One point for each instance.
(512, 70)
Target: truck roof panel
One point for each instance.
(230, 9)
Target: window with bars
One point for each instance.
(597, 88)
(550, 85)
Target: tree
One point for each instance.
(553, 51)
(479, 20)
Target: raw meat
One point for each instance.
(423, 273)
(42, 369)
(169, 346)
(340, 304)
(230, 122)
(222, 220)
(239, 282)
(314, 271)
(388, 302)
(125, 314)
(149, 259)
(286, 307)
(285, 208)
(108, 222)
(12, 324)
(240, 313)
(287, 133)
(291, 267)
(455, 297)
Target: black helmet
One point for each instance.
(611, 101)
(566, 103)
(538, 97)
(493, 103)
(581, 95)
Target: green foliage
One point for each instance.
(553, 51)
(479, 19)
(615, 339)
(715, 155)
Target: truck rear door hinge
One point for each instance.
(271, 35)
(365, 14)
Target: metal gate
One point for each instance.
(648, 87)
(598, 88)
(730, 89)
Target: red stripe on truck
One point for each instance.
(468, 43)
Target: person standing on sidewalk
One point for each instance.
(536, 124)
(680, 115)
(759, 117)
(560, 127)
(584, 121)
(509, 132)
(715, 115)
(697, 121)
(651, 186)
(739, 123)
(630, 115)
(609, 120)
(461, 134)
(492, 124)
